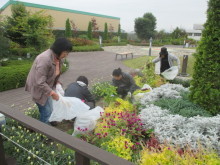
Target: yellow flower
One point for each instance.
(120, 146)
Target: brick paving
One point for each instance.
(97, 66)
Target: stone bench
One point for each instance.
(124, 54)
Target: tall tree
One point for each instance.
(106, 32)
(95, 28)
(119, 30)
(4, 46)
(89, 32)
(178, 33)
(111, 31)
(16, 24)
(68, 31)
(145, 26)
(29, 30)
(205, 89)
(74, 27)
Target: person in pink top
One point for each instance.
(44, 75)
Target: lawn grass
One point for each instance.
(139, 62)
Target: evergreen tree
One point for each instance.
(68, 31)
(119, 30)
(106, 32)
(205, 89)
(145, 26)
(89, 33)
(16, 24)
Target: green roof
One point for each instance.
(56, 8)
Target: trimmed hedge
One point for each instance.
(87, 48)
(115, 44)
(13, 74)
(61, 33)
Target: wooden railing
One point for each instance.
(84, 152)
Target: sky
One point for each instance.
(169, 13)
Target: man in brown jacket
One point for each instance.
(44, 75)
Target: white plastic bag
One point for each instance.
(86, 122)
(170, 73)
(146, 86)
(67, 108)
(138, 96)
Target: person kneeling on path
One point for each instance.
(166, 60)
(124, 82)
(79, 89)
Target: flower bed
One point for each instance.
(51, 152)
(177, 129)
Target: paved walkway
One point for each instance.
(144, 50)
(97, 66)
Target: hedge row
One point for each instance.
(61, 33)
(87, 48)
(115, 44)
(14, 76)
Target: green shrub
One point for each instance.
(182, 106)
(4, 46)
(115, 39)
(185, 83)
(83, 36)
(105, 37)
(13, 74)
(205, 89)
(115, 44)
(87, 48)
(89, 32)
(81, 42)
(103, 90)
(28, 30)
(177, 41)
(68, 31)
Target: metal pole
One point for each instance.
(100, 41)
(2, 152)
(150, 46)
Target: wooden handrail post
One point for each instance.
(81, 160)
(2, 152)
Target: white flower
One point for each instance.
(180, 130)
(164, 91)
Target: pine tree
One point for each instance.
(68, 31)
(119, 30)
(205, 89)
(106, 32)
(89, 33)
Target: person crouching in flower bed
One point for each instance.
(44, 75)
(79, 89)
(124, 82)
